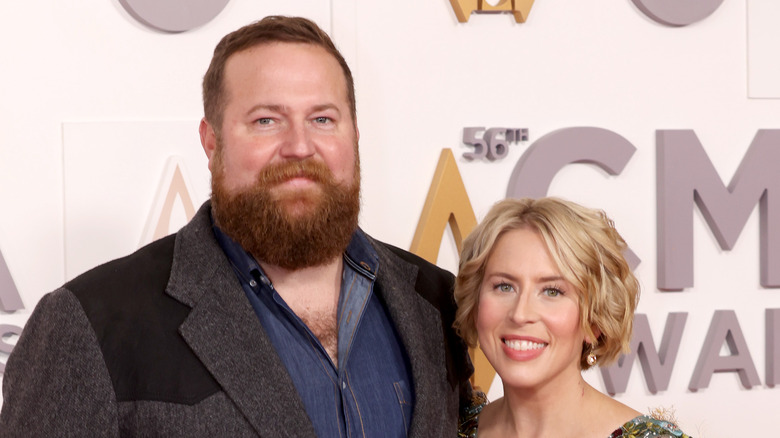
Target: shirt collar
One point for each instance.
(360, 255)
(243, 263)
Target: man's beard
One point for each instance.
(294, 229)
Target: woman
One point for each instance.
(545, 289)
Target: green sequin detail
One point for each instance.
(640, 427)
(648, 427)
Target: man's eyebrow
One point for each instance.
(281, 108)
(269, 107)
(326, 106)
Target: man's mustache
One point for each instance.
(280, 172)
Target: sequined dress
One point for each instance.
(639, 427)
(648, 427)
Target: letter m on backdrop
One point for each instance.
(685, 176)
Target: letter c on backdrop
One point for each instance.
(677, 12)
(174, 15)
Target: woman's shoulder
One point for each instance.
(643, 426)
(469, 416)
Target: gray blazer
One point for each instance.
(164, 343)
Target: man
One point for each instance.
(271, 313)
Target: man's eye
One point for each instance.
(264, 121)
(322, 119)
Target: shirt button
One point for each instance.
(252, 283)
(343, 385)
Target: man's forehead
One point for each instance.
(257, 57)
(260, 51)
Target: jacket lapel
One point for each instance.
(224, 332)
(419, 326)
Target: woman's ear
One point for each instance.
(596, 333)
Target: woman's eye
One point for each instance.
(552, 292)
(504, 287)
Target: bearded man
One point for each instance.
(271, 313)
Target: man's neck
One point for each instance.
(298, 279)
(313, 294)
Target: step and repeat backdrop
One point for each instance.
(665, 114)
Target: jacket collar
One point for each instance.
(227, 337)
(419, 326)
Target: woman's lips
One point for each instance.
(522, 348)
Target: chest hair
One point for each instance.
(323, 325)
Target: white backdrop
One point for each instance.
(83, 86)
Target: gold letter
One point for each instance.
(519, 8)
(173, 185)
(448, 201)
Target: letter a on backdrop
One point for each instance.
(163, 218)
(9, 296)
(448, 202)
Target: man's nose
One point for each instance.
(297, 142)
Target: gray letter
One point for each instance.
(7, 330)
(9, 296)
(685, 175)
(724, 326)
(677, 12)
(772, 347)
(535, 170)
(656, 366)
(174, 15)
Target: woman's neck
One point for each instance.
(547, 410)
(567, 407)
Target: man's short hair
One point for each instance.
(271, 29)
(588, 252)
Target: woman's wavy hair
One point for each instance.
(588, 251)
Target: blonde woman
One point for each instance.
(544, 288)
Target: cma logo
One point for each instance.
(685, 179)
(667, 12)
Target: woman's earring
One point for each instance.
(591, 359)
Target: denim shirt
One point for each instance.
(370, 393)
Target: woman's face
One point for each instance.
(528, 317)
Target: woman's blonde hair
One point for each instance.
(586, 249)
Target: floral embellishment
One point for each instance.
(648, 427)
(469, 416)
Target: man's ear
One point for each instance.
(208, 139)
